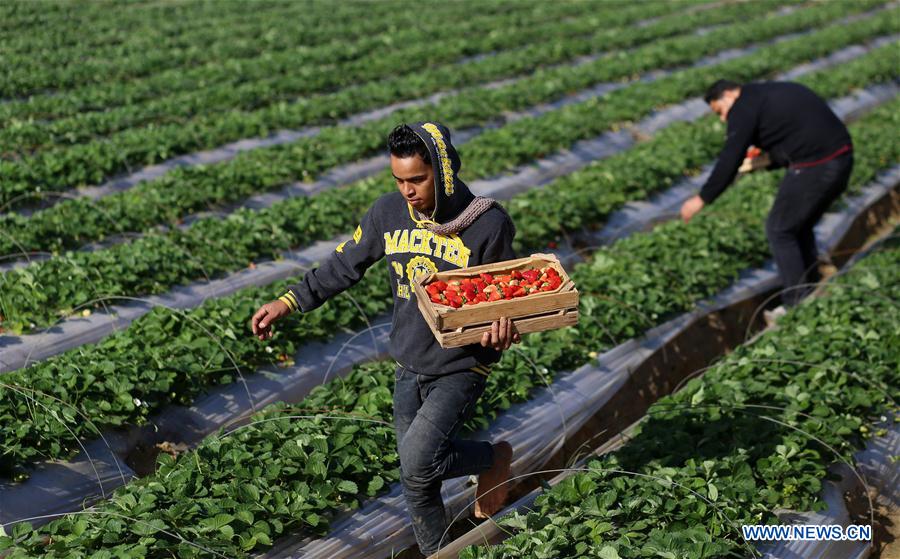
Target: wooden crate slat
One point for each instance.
(534, 313)
(472, 335)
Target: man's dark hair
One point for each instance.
(716, 90)
(404, 142)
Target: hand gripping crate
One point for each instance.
(533, 313)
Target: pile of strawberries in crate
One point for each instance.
(485, 288)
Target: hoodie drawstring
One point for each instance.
(421, 222)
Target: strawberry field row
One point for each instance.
(756, 434)
(299, 25)
(71, 223)
(165, 358)
(19, 22)
(153, 264)
(119, 35)
(273, 85)
(274, 76)
(74, 222)
(294, 467)
(256, 107)
(111, 96)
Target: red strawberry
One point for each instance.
(487, 278)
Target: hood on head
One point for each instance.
(451, 195)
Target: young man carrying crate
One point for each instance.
(432, 223)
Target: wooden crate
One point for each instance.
(534, 313)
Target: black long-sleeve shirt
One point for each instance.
(787, 120)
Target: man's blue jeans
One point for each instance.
(428, 414)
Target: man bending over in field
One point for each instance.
(799, 131)
(432, 223)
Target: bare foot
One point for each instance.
(492, 490)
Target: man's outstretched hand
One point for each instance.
(266, 316)
(502, 335)
(691, 207)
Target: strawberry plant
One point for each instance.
(256, 98)
(297, 466)
(137, 353)
(756, 433)
(88, 163)
(213, 246)
(328, 106)
(320, 25)
(166, 358)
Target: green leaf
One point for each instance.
(249, 492)
(697, 398)
(147, 527)
(227, 531)
(609, 552)
(348, 487)
(217, 521)
(375, 485)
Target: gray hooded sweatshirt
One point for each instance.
(391, 229)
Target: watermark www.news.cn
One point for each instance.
(811, 532)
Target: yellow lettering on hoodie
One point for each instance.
(446, 167)
(415, 241)
(451, 251)
(426, 241)
(403, 290)
(403, 243)
(440, 243)
(419, 241)
(457, 253)
(390, 242)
